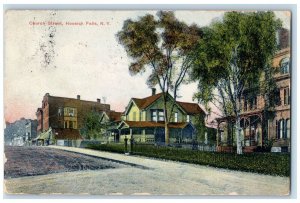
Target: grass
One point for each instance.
(264, 163)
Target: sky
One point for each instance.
(70, 58)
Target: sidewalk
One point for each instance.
(131, 159)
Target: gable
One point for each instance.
(159, 104)
(129, 106)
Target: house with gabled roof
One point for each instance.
(110, 120)
(143, 120)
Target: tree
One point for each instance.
(92, 126)
(163, 46)
(232, 57)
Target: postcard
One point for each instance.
(147, 102)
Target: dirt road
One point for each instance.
(31, 161)
(157, 178)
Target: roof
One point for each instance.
(152, 124)
(66, 134)
(114, 116)
(191, 108)
(145, 102)
(44, 135)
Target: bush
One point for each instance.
(266, 163)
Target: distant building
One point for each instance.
(30, 131)
(62, 112)
(18, 140)
(17, 133)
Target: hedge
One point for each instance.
(265, 163)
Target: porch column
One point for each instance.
(250, 132)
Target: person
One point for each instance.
(125, 141)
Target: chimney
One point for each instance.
(98, 100)
(153, 91)
(78, 97)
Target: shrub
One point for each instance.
(266, 163)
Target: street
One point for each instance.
(119, 174)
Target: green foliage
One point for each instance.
(244, 42)
(92, 126)
(162, 45)
(266, 163)
(199, 124)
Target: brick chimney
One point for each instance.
(153, 91)
(78, 97)
(99, 100)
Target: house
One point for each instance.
(263, 127)
(59, 113)
(143, 119)
(110, 120)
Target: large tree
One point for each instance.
(232, 57)
(164, 46)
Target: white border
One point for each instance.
(173, 4)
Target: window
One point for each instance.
(188, 118)
(70, 124)
(276, 96)
(175, 117)
(149, 131)
(285, 66)
(60, 112)
(134, 116)
(286, 100)
(71, 112)
(161, 115)
(153, 115)
(281, 129)
(288, 125)
(66, 124)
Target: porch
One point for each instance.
(252, 135)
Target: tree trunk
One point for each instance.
(167, 133)
(239, 149)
